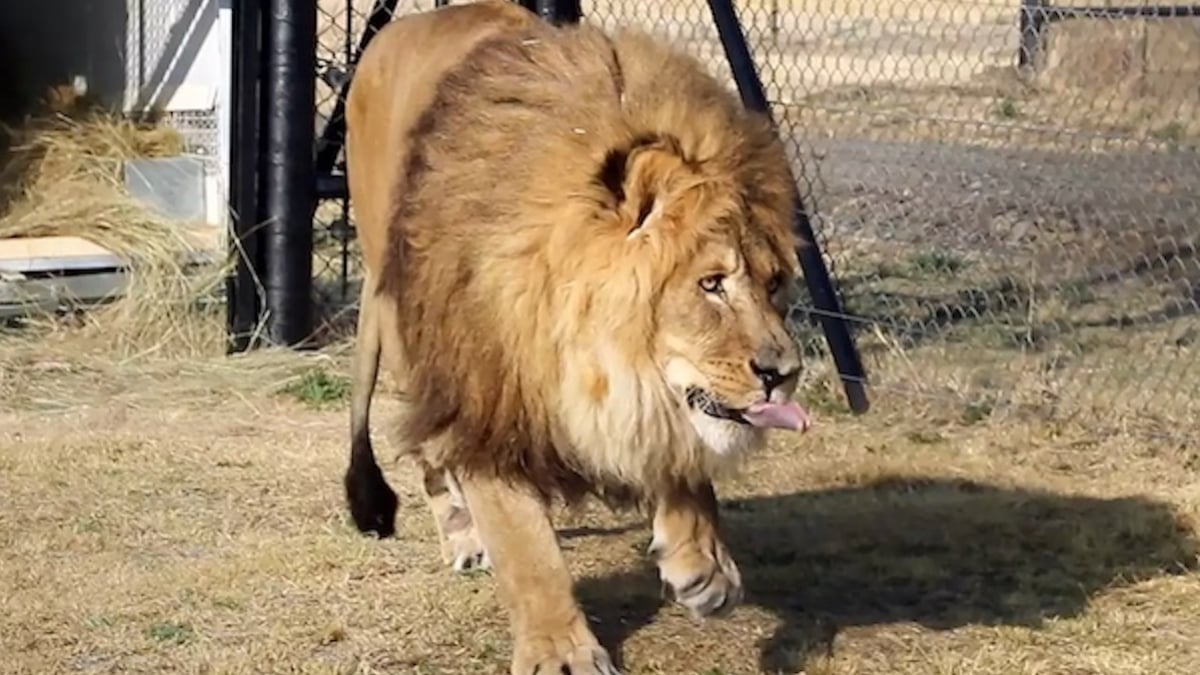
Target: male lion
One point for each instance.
(578, 260)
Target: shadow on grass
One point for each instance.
(1002, 303)
(936, 552)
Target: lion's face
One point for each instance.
(721, 341)
(724, 346)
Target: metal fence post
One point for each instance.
(243, 291)
(556, 11)
(1032, 18)
(289, 190)
(816, 275)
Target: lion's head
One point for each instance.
(713, 234)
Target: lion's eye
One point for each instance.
(774, 284)
(713, 283)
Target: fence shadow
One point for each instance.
(941, 553)
(915, 319)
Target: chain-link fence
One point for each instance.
(1008, 192)
(163, 41)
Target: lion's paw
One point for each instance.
(552, 656)
(465, 551)
(707, 585)
(462, 549)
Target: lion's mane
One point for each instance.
(524, 309)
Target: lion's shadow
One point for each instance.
(936, 552)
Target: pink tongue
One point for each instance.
(787, 415)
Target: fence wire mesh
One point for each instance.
(1007, 192)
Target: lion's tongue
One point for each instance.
(787, 415)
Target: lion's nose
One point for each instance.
(769, 375)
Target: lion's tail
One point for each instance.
(372, 501)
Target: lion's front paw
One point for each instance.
(574, 651)
(707, 584)
(547, 658)
(466, 551)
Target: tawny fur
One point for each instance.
(510, 167)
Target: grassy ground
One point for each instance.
(168, 509)
(184, 514)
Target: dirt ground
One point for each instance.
(185, 515)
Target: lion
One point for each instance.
(578, 261)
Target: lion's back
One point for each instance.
(395, 81)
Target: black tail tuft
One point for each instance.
(372, 501)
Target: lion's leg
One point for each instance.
(372, 501)
(461, 547)
(550, 632)
(692, 560)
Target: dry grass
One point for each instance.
(62, 176)
(185, 515)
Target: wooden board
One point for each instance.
(45, 254)
(50, 254)
(49, 273)
(21, 297)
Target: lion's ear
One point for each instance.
(612, 173)
(624, 177)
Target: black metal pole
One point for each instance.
(1031, 20)
(243, 298)
(555, 11)
(333, 136)
(816, 275)
(289, 193)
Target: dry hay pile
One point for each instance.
(62, 175)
